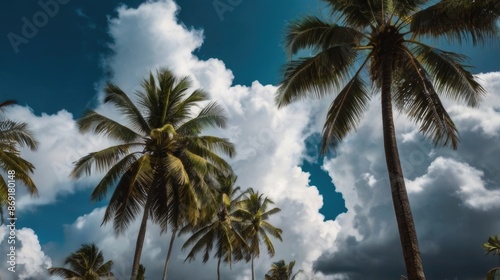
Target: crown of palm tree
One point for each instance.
(373, 31)
(163, 163)
(87, 263)
(282, 271)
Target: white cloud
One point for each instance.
(60, 145)
(30, 262)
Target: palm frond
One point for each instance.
(356, 13)
(63, 272)
(117, 97)
(17, 133)
(99, 124)
(113, 174)
(315, 76)
(449, 74)
(103, 159)
(416, 96)
(211, 115)
(311, 32)
(129, 195)
(345, 112)
(459, 20)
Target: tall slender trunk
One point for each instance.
(406, 226)
(218, 269)
(140, 240)
(253, 272)
(172, 238)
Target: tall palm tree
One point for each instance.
(379, 44)
(222, 229)
(253, 209)
(162, 161)
(87, 263)
(493, 247)
(14, 135)
(282, 271)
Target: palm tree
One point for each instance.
(282, 271)
(379, 42)
(141, 274)
(222, 229)
(14, 135)
(87, 263)
(253, 210)
(493, 247)
(162, 161)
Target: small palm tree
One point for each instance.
(253, 210)
(380, 46)
(493, 247)
(222, 229)
(141, 274)
(282, 271)
(14, 135)
(162, 162)
(87, 263)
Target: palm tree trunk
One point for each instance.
(140, 240)
(406, 226)
(253, 272)
(172, 238)
(218, 269)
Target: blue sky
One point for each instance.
(237, 55)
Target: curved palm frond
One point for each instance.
(449, 74)
(416, 96)
(311, 32)
(210, 116)
(18, 133)
(345, 112)
(315, 76)
(102, 160)
(118, 98)
(87, 263)
(459, 20)
(101, 125)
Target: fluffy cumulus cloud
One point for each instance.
(454, 196)
(22, 257)
(60, 145)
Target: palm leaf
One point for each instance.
(345, 111)
(18, 133)
(99, 124)
(417, 97)
(449, 74)
(117, 97)
(102, 160)
(316, 76)
(311, 32)
(459, 20)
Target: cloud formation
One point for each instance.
(29, 261)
